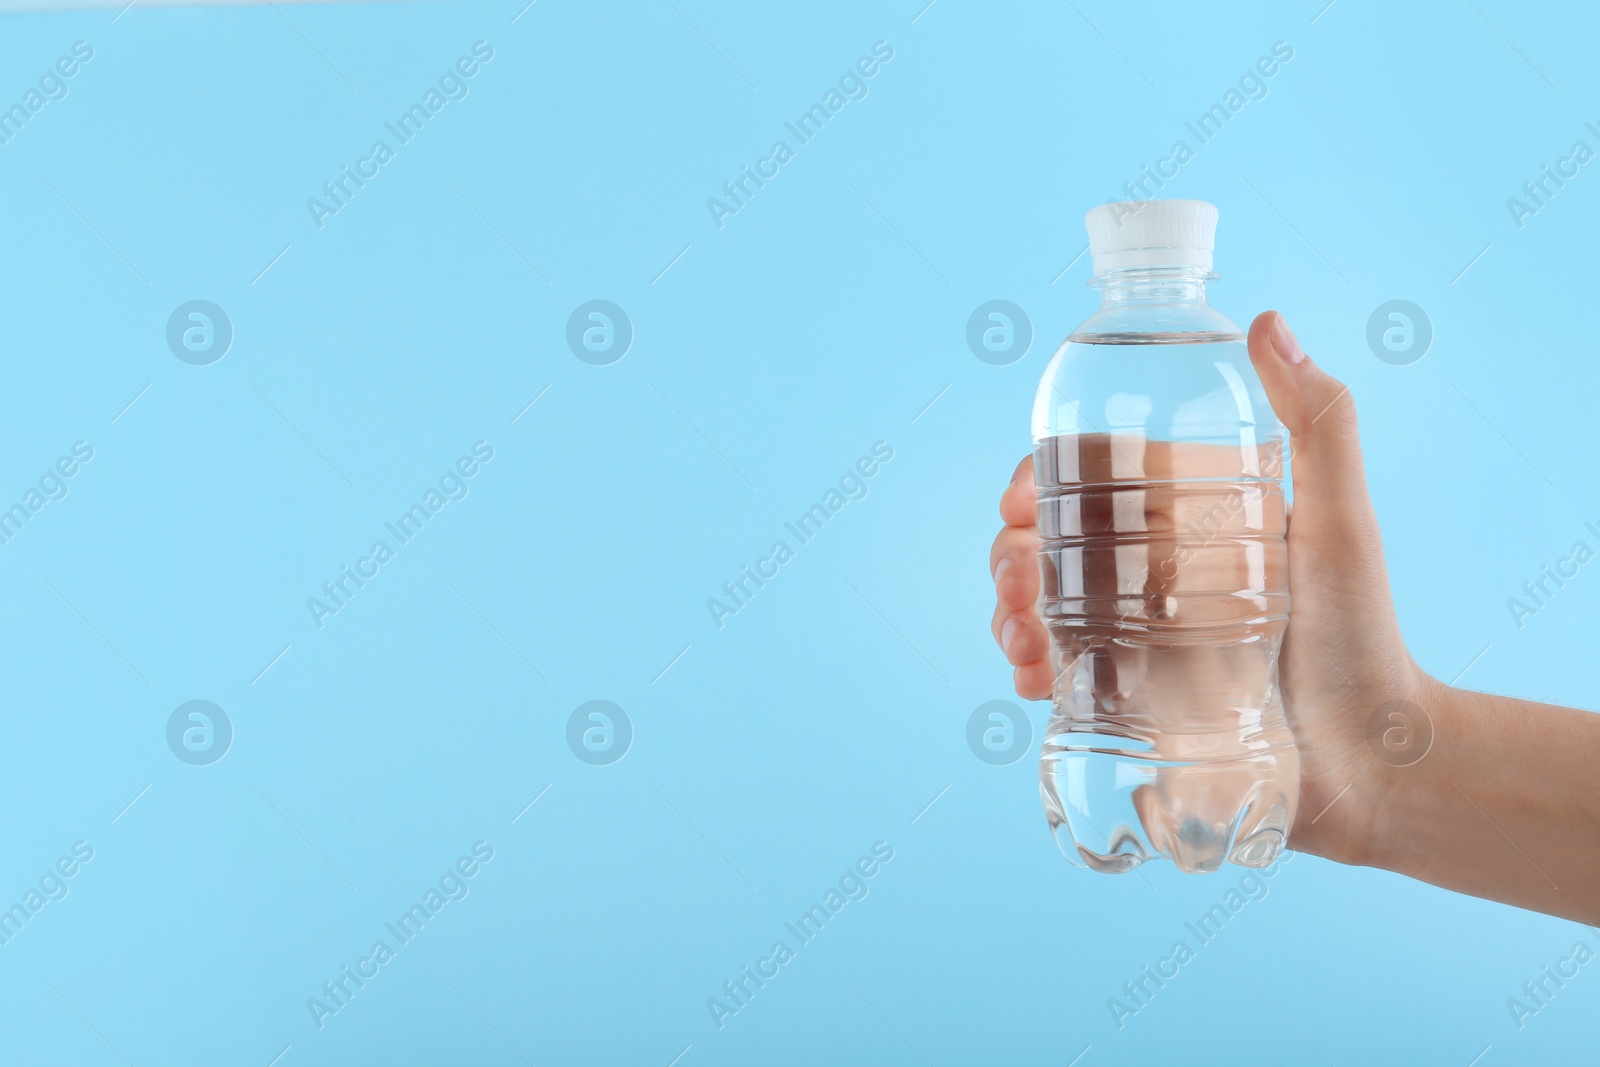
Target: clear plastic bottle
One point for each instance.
(1165, 570)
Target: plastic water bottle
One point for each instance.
(1165, 570)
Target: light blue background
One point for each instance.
(827, 714)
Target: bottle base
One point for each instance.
(1112, 812)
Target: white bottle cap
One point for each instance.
(1152, 233)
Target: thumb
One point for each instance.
(1330, 484)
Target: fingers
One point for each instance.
(1019, 503)
(1013, 562)
(1330, 484)
(1016, 625)
(1020, 635)
(1313, 406)
(1033, 681)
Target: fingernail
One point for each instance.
(1001, 568)
(1284, 344)
(1007, 632)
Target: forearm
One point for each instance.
(1505, 804)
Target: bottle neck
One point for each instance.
(1152, 285)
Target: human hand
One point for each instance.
(1342, 658)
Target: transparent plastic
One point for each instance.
(1165, 585)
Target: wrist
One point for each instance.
(1361, 788)
(1409, 751)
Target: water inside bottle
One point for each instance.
(1165, 594)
